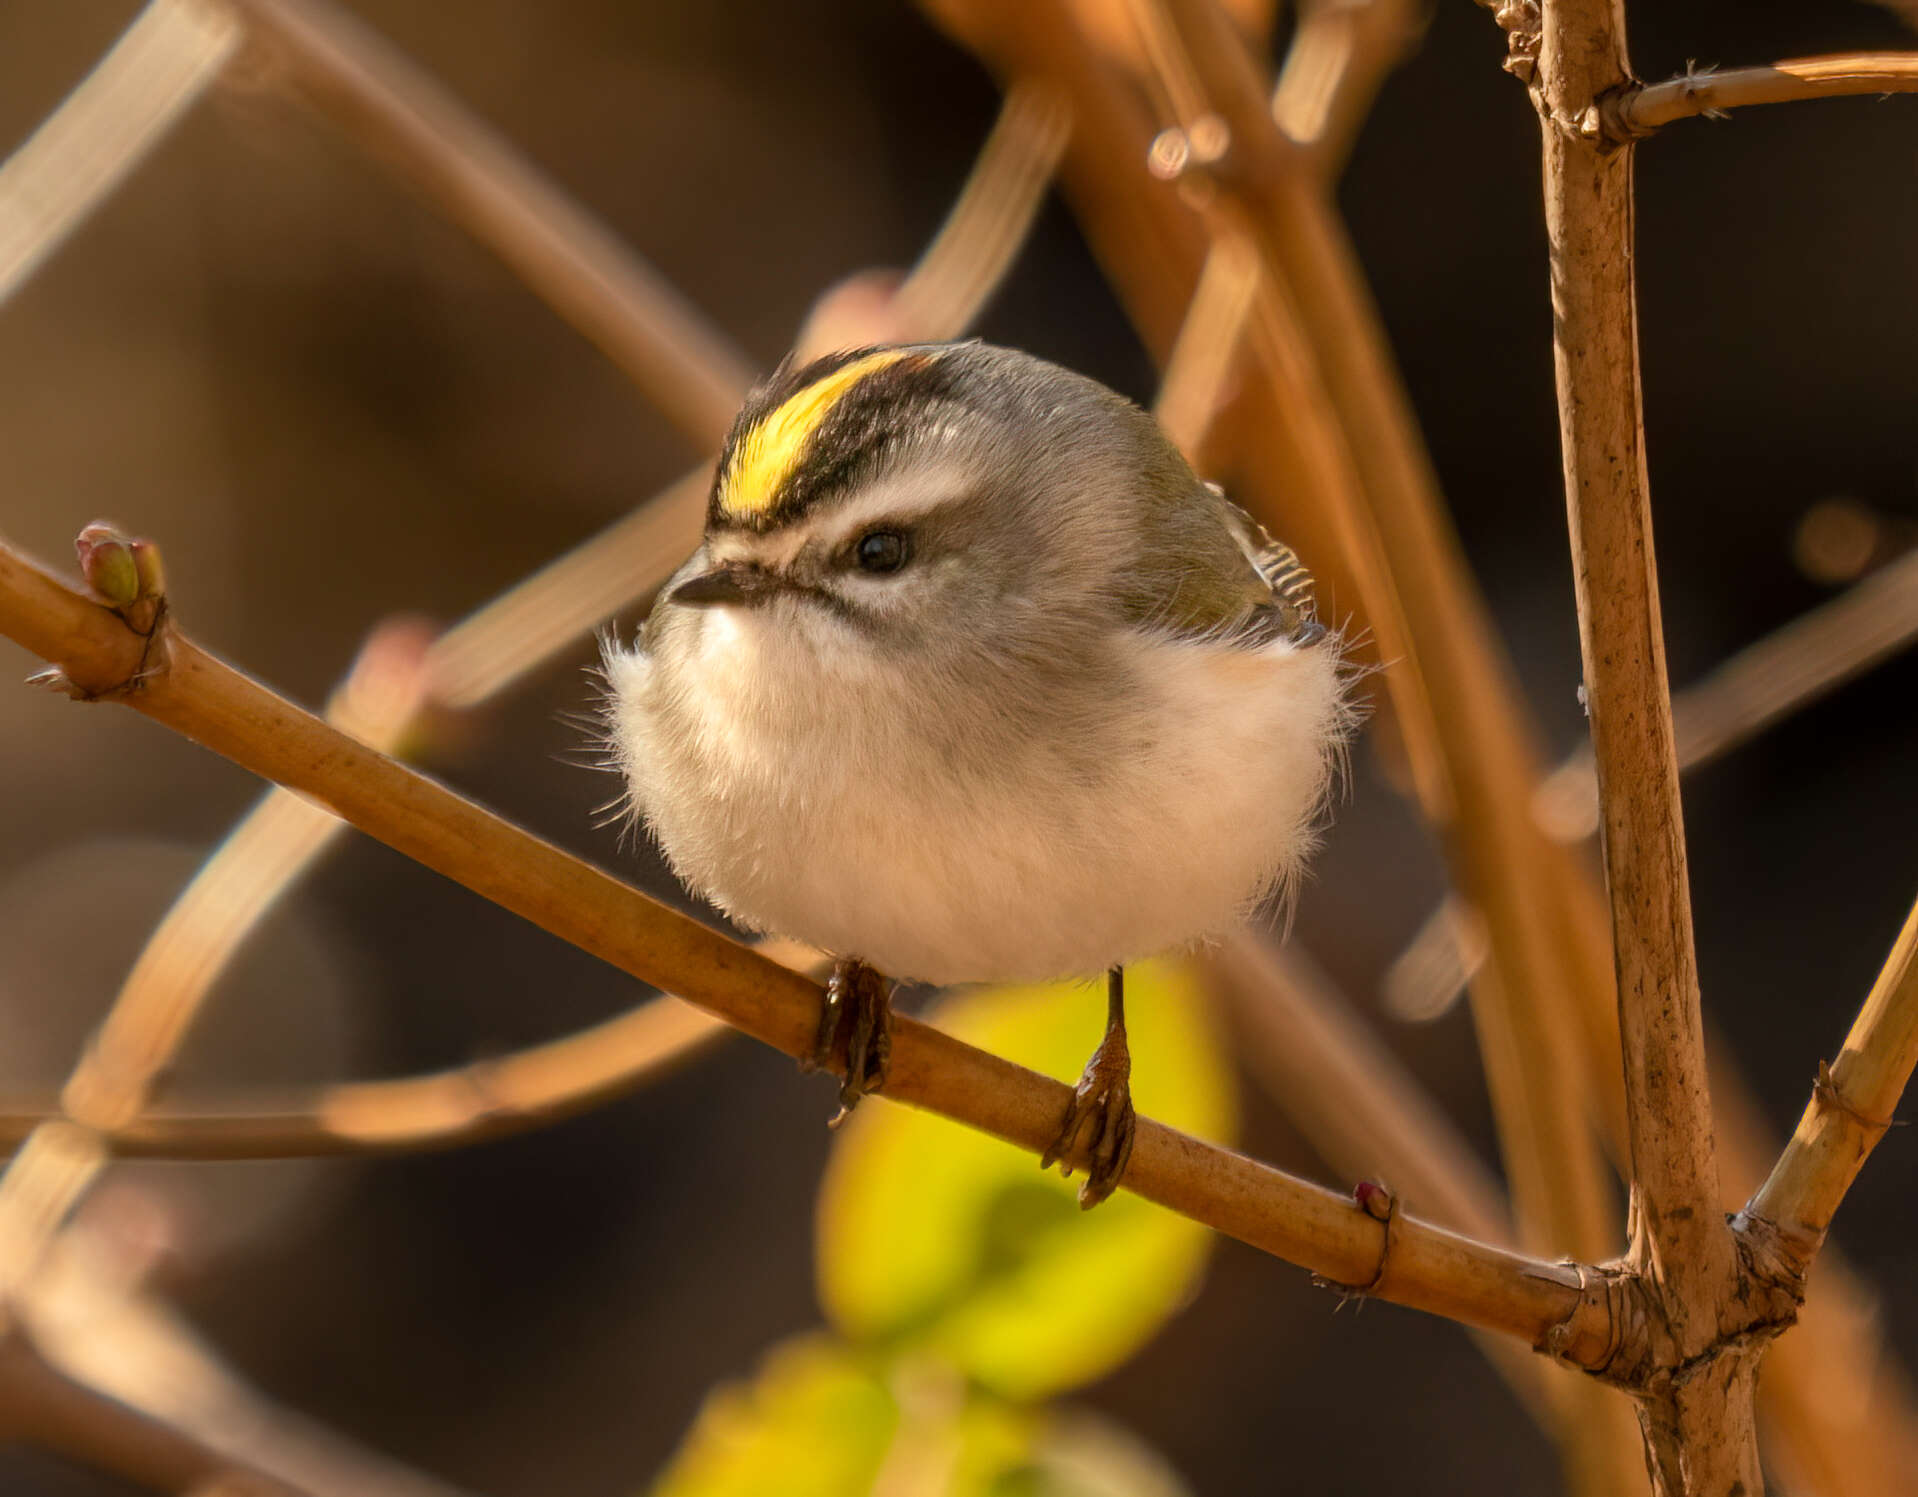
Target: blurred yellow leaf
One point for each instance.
(820, 1419)
(814, 1422)
(943, 1240)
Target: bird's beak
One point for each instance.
(732, 582)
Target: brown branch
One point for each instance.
(1700, 1428)
(1850, 1109)
(221, 709)
(989, 220)
(1349, 1095)
(1639, 109)
(568, 257)
(1835, 1407)
(71, 1420)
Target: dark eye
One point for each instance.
(882, 551)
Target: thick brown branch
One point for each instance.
(1640, 109)
(227, 712)
(1589, 219)
(1851, 1107)
(1699, 1422)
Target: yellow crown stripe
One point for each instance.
(765, 457)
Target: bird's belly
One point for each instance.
(1023, 875)
(942, 894)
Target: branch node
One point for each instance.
(1617, 124)
(1378, 1202)
(1773, 1261)
(126, 575)
(1826, 1096)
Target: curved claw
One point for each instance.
(858, 1006)
(1099, 1126)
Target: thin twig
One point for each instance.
(691, 371)
(527, 1089)
(1834, 1404)
(989, 220)
(504, 641)
(1851, 1107)
(135, 94)
(1641, 109)
(1349, 1095)
(232, 715)
(1209, 355)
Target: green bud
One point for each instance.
(109, 564)
(146, 558)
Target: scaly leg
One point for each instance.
(1100, 1121)
(858, 1007)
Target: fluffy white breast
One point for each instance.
(783, 783)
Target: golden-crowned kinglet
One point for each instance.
(974, 680)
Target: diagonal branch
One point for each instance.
(1340, 54)
(688, 368)
(121, 110)
(210, 702)
(1851, 1107)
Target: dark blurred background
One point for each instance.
(332, 406)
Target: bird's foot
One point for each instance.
(1099, 1124)
(857, 1014)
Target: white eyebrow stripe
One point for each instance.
(904, 497)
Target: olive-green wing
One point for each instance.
(1212, 572)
